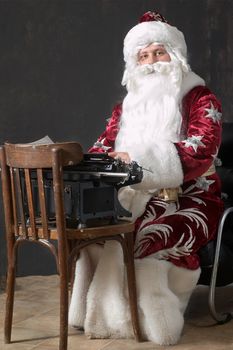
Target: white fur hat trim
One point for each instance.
(146, 33)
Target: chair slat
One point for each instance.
(42, 202)
(20, 202)
(15, 216)
(30, 202)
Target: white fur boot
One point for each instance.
(107, 306)
(162, 320)
(84, 271)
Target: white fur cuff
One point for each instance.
(164, 165)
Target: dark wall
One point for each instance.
(61, 65)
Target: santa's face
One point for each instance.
(153, 53)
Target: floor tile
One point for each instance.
(36, 321)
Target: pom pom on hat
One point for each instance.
(152, 28)
(152, 16)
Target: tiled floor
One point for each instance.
(36, 322)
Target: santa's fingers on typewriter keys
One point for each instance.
(124, 156)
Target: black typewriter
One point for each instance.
(90, 189)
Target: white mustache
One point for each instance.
(165, 69)
(158, 67)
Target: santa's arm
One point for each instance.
(105, 142)
(200, 147)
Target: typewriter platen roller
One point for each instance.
(108, 169)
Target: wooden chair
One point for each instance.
(22, 224)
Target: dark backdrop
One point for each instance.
(61, 66)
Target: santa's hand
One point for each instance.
(124, 156)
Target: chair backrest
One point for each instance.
(23, 164)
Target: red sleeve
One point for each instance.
(202, 113)
(106, 141)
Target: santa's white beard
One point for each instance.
(151, 107)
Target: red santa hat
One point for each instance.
(154, 28)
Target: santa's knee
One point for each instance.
(94, 252)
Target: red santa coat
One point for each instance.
(176, 231)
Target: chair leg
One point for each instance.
(10, 289)
(132, 286)
(63, 314)
(220, 318)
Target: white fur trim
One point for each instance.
(134, 201)
(146, 33)
(164, 164)
(190, 80)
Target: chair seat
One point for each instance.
(104, 229)
(122, 226)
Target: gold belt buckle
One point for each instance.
(169, 194)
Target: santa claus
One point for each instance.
(170, 123)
